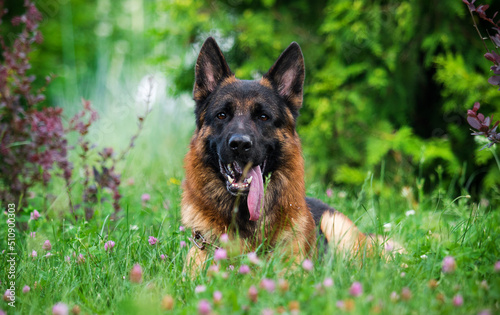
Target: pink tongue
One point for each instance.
(256, 193)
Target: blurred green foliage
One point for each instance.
(387, 87)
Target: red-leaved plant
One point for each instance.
(477, 120)
(102, 176)
(482, 125)
(33, 139)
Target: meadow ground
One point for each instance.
(451, 264)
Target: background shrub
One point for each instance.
(387, 84)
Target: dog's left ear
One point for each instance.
(211, 69)
(287, 76)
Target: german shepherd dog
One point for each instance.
(244, 168)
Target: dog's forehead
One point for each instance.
(244, 93)
(246, 88)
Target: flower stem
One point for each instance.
(492, 149)
(477, 29)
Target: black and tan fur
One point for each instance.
(261, 115)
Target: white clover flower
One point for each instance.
(387, 227)
(410, 212)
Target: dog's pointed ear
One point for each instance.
(287, 76)
(211, 69)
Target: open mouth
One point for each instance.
(245, 180)
(238, 178)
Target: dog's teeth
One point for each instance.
(237, 167)
(229, 167)
(230, 179)
(249, 180)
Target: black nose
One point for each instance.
(240, 143)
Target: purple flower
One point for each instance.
(329, 193)
(46, 245)
(183, 244)
(217, 296)
(253, 258)
(283, 285)
(67, 259)
(328, 282)
(394, 296)
(406, 294)
(136, 274)
(8, 296)
(145, 198)
(26, 289)
(252, 294)
(181, 228)
(220, 254)
(224, 238)
(200, 288)
(60, 309)
(267, 284)
(340, 304)
(213, 269)
(458, 300)
(32, 234)
(389, 246)
(34, 254)
(109, 245)
(244, 269)
(449, 264)
(267, 311)
(162, 257)
(35, 215)
(81, 259)
(307, 265)
(497, 266)
(204, 307)
(356, 289)
(152, 240)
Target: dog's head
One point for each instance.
(245, 124)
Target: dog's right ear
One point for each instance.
(211, 69)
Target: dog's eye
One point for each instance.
(221, 115)
(263, 117)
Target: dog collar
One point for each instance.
(199, 241)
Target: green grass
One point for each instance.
(442, 225)
(101, 284)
